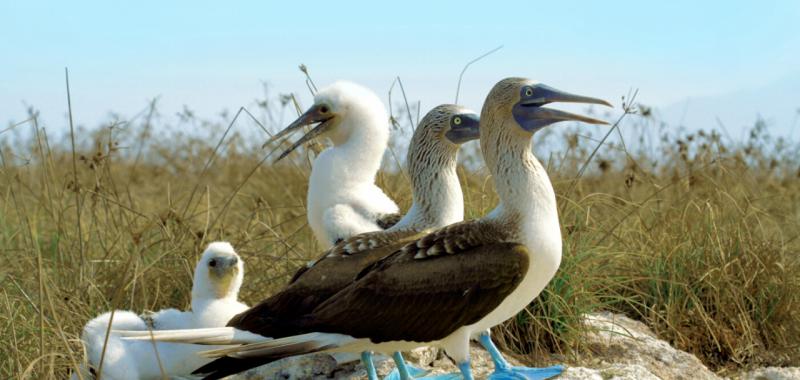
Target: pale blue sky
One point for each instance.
(213, 55)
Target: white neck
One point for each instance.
(204, 291)
(527, 199)
(358, 155)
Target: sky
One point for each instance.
(212, 56)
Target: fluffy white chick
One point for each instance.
(217, 279)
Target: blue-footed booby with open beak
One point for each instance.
(457, 282)
(343, 199)
(437, 202)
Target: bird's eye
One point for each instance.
(528, 91)
(212, 263)
(457, 120)
(324, 109)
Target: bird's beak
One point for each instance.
(468, 129)
(226, 266)
(311, 116)
(224, 274)
(531, 116)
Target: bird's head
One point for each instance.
(449, 124)
(440, 132)
(518, 104)
(219, 273)
(339, 110)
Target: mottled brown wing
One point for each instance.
(274, 316)
(358, 244)
(454, 238)
(406, 298)
(386, 221)
(458, 237)
(371, 240)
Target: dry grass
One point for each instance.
(696, 237)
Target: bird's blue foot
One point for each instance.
(526, 373)
(366, 359)
(503, 370)
(403, 370)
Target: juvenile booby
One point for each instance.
(343, 200)
(217, 278)
(437, 202)
(457, 282)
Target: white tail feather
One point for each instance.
(208, 336)
(296, 345)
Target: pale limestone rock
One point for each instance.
(612, 372)
(770, 373)
(617, 339)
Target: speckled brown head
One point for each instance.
(432, 156)
(439, 135)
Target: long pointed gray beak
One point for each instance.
(316, 114)
(544, 94)
(531, 116)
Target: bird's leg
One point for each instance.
(503, 370)
(499, 361)
(366, 358)
(465, 369)
(403, 371)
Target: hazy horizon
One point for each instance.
(693, 62)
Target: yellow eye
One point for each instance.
(457, 120)
(528, 91)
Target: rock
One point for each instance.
(619, 341)
(770, 373)
(612, 372)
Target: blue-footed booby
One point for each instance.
(437, 202)
(457, 282)
(343, 200)
(217, 278)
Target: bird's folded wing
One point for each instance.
(372, 240)
(360, 243)
(458, 237)
(405, 298)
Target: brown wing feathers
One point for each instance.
(457, 237)
(423, 300)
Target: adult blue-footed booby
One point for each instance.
(437, 202)
(457, 282)
(217, 278)
(343, 200)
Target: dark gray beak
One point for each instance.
(531, 116)
(221, 265)
(467, 130)
(316, 114)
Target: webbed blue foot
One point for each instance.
(404, 371)
(526, 373)
(413, 373)
(503, 370)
